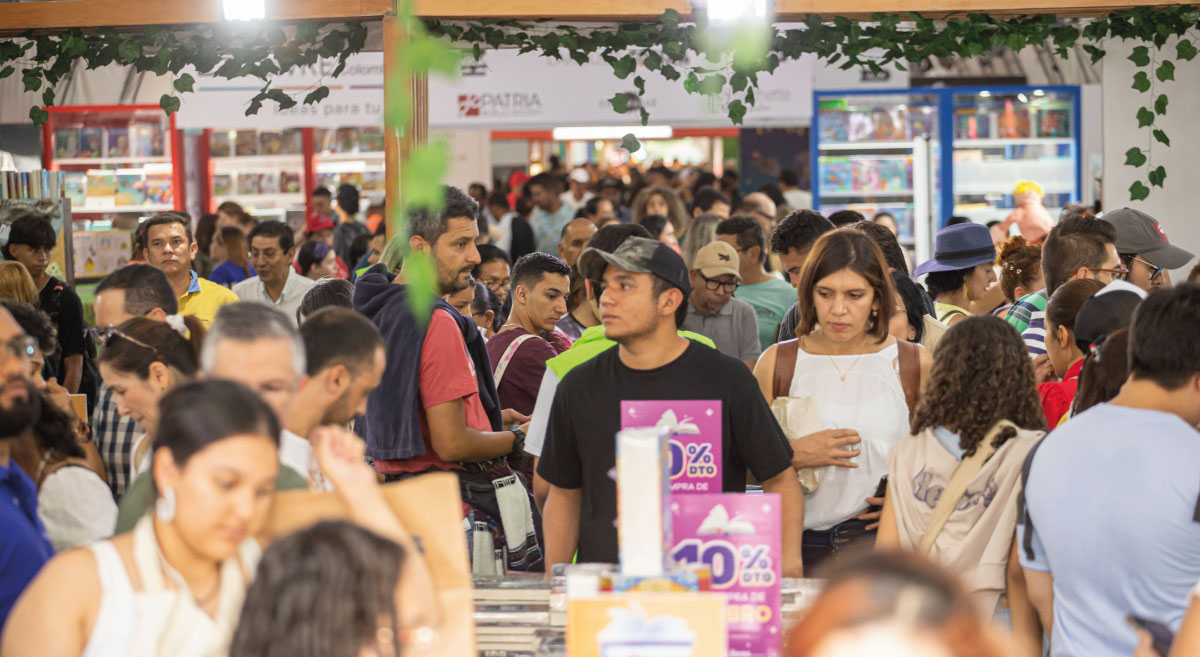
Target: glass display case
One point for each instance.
(923, 155)
(117, 161)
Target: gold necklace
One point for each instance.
(841, 374)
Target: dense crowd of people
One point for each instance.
(1012, 425)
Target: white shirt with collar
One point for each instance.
(253, 290)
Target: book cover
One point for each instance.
(1054, 123)
(101, 183)
(1014, 123)
(269, 183)
(91, 142)
(290, 181)
(118, 142)
(249, 183)
(833, 125)
(921, 122)
(835, 175)
(293, 142)
(270, 143)
(351, 178)
(322, 140)
(66, 142)
(158, 189)
(860, 126)
(75, 188)
(222, 184)
(374, 181)
(219, 144)
(371, 140)
(895, 174)
(347, 140)
(246, 143)
(328, 181)
(131, 190)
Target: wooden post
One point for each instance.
(399, 143)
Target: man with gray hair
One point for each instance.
(261, 348)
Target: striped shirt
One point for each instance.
(1028, 316)
(114, 436)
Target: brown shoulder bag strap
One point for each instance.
(785, 367)
(910, 373)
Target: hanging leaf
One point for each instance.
(1166, 71)
(1145, 117)
(620, 102)
(712, 85)
(652, 61)
(38, 115)
(6, 71)
(640, 83)
(691, 83)
(737, 110)
(281, 97)
(1138, 191)
(169, 103)
(48, 96)
(185, 82)
(1162, 137)
(1134, 157)
(1157, 176)
(644, 115)
(631, 143)
(1160, 105)
(623, 67)
(1140, 56)
(32, 79)
(1141, 81)
(128, 51)
(1185, 50)
(316, 95)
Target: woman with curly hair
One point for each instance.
(1020, 271)
(980, 387)
(660, 199)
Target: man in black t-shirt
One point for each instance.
(643, 288)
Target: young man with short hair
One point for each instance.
(731, 323)
(575, 235)
(171, 249)
(277, 285)
(710, 201)
(132, 291)
(612, 189)
(597, 209)
(519, 350)
(437, 408)
(791, 241)
(577, 193)
(549, 214)
(645, 291)
(769, 295)
(1095, 552)
(322, 202)
(348, 227)
(1077, 247)
(1144, 248)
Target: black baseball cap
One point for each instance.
(640, 256)
(1104, 313)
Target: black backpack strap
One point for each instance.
(1023, 516)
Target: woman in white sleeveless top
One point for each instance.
(849, 367)
(173, 587)
(981, 376)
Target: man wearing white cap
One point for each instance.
(1144, 248)
(578, 193)
(713, 312)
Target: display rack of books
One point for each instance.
(114, 160)
(40, 191)
(262, 170)
(350, 156)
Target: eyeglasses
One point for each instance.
(267, 253)
(1155, 272)
(1120, 273)
(22, 347)
(494, 284)
(105, 335)
(713, 284)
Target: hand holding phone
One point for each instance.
(1160, 634)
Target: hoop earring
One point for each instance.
(164, 506)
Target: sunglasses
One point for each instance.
(106, 335)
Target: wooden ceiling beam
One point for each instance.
(64, 14)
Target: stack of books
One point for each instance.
(36, 184)
(512, 615)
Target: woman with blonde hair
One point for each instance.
(701, 231)
(660, 199)
(16, 283)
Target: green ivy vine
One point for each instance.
(729, 68)
(231, 50)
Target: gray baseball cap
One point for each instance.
(1138, 232)
(640, 256)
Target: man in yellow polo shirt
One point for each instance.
(170, 247)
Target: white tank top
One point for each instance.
(158, 621)
(871, 401)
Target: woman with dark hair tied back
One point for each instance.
(1066, 357)
(953, 482)
(328, 292)
(316, 260)
(1104, 371)
(852, 385)
(230, 244)
(174, 586)
(911, 308)
(340, 584)
(142, 360)
(485, 310)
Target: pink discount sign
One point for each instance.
(695, 434)
(738, 537)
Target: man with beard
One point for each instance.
(24, 548)
(436, 408)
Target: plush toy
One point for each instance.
(1031, 216)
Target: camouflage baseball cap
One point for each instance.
(640, 256)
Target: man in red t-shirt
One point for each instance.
(519, 351)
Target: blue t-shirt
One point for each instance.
(1112, 494)
(228, 274)
(24, 548)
